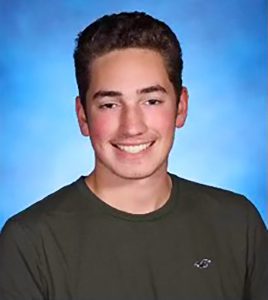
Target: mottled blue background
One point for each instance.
(224, 141)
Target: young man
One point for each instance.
(131, 230)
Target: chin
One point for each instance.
(132, 174)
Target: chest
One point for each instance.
(124, 260)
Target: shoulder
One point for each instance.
(61, 202)
(216, 203)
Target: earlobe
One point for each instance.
(81, 117)
(182, 108)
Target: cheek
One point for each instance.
(164, 122)
(101, 127)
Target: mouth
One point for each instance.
(133, 149)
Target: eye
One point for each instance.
(108, 106)
(153, 102)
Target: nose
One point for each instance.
(132, 122)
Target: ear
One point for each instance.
(182, 108)
(81, 117)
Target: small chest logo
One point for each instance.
(203, 263)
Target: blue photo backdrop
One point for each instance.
(224, 140)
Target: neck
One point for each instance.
(136, 196)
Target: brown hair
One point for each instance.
(121, 31)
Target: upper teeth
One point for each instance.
(134, 149)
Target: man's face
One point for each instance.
(131, 113)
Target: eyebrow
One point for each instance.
(146, 90)
(102, 94)
(151, 89)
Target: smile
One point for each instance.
(134, 148)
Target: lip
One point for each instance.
(133, 148)
(136, 143)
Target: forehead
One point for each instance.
(128, 69)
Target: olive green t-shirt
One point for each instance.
(203, 244)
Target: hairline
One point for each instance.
(99, 55)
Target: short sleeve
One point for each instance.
(20, 276)
(256, 287)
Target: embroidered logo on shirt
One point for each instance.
(203, 263)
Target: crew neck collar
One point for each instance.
(108, 209)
